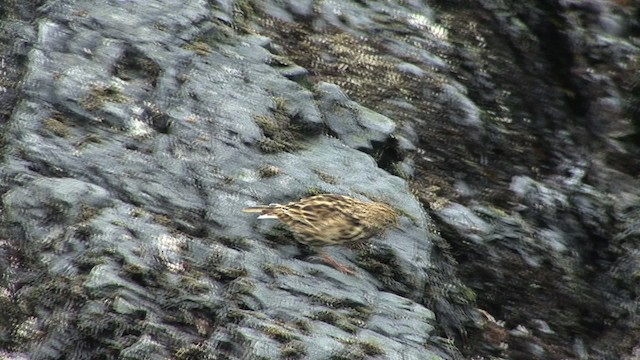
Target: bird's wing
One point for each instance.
(335, 224)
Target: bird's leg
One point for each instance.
(331, 261)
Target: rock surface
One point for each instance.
(133, 133)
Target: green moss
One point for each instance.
(100, 94)
(244, 8)
(228, 273)
(195, 352)
(331, 301)
(244, 12)
(276, 270)
(359, 349)
(236, 315)
(279, 334)
(280, 61)
(381, 262)
(57, 127)
(193, 284)
(329, 179)
(133, 271)
(293, 350)
(141, 275)
(163, 220)
(91, 258)
(335, 319)
(468, 294)
(214, 260)
(396, 169)
(347, 326)
(303, 325)
(268, 171)
(88, 139)
(313, 191)
(401, 212)
(27, 330)
(88, 212)
(236, 242)
(280, 134)
(370, 347)
(84, 231)
(280, 234)
(199, 47)
(361, 313)
(54, 292)
(100, 323)
(240, 286)
(269, 146)
(137, 212)
(349, 355)
(328, 316)
(6, 138)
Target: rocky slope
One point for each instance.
(133, 133)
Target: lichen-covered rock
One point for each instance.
(133, 133)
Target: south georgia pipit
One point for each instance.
(329, 219)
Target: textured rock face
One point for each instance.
(133, 133)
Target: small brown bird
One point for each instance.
(329, 219)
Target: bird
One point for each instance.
(330, 219)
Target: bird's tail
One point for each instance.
(265, 210)
(257, 209)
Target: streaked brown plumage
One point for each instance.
(329, 219)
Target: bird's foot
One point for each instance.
(342, 268)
